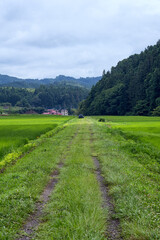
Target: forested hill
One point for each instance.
(7, 81)
(130, 88)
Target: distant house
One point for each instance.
(46, 113)
(52, 112)
(64, 112)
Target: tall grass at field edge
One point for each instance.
(19, 152)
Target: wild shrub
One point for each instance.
(101, 120)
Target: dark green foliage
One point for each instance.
(156, 111)
(49, 96)
(32, 110)
(14, 95)
(131, 88)
(60, 96)
(141, 108)
(101, 120)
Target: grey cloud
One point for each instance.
(45, 38)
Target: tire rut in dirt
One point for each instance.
(113, 230)
(34, 220)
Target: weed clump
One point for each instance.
(101, 120)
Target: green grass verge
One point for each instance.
(22, 119)
(132, 171)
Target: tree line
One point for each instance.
(49, 96)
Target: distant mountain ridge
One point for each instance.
(8, 81)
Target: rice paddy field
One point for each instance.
(147, 129)
(83, 180)
(15, 131)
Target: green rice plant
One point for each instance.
(129, 119)
(147, 129)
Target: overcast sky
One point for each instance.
(46, 38)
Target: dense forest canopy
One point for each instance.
(130, 88)
(48, 96)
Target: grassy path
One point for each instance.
(75, 209)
